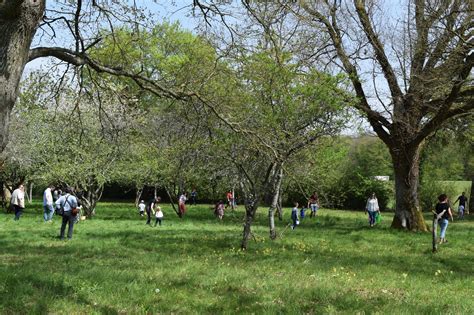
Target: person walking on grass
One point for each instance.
(68, 203)
(141, 208)
(219, 210)
(194, 197)
(230, 200)
(150, 209)
(182, 204)
(313, 204)
(302, 212)
(372, 207)
(48, 208)
(443, 213)
(158, 214)
(462, 205)
(294, 215)
(17, 201)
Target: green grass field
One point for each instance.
(332, 264)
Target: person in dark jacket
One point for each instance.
(443, 213)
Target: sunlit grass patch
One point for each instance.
(334, 263)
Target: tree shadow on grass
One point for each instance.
(26, 293)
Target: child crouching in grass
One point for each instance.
(294, 215)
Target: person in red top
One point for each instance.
(230, 199)
(313, 204)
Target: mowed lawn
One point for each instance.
(332, 264)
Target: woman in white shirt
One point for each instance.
(372, 208)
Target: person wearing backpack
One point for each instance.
(68, 204)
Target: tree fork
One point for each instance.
(250, 210)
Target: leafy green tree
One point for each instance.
(412, 73)
(70, 144)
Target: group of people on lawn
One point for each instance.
(297, 215)
(63, 203)
(66, 204)
(152, 208)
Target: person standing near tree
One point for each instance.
(150, 209)
(158, 213)
(443, 213)
(294, 216)
(67, 203)
(313, 204)
(230, 200)
(57, 193)
(372, 208)
(182, 204)
(141, 208)
(48, 209)
(193, 196)
(219, 209)
(17, 201)
(462, 205)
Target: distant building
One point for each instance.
(382, 178)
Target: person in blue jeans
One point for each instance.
(443, 213)
(294, 215)
(48, 209)
(67, 202)
(372, 208)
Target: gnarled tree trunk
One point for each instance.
(89, 200)
(406, 163)
(18, 23)
(251, 206)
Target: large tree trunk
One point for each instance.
(18, 23)
(406, 163)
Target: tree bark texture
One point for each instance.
(406, 163)
(89, 200)
(250, 210)
(19, 20)
(275, 191)
(434, 234)
(471, 198)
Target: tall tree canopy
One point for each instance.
(411, 69)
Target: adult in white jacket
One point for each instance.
(48, 204)
(18, 201)
(372, 208)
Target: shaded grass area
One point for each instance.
(332, 264)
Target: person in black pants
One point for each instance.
(150, 209)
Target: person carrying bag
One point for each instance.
(68, 205)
